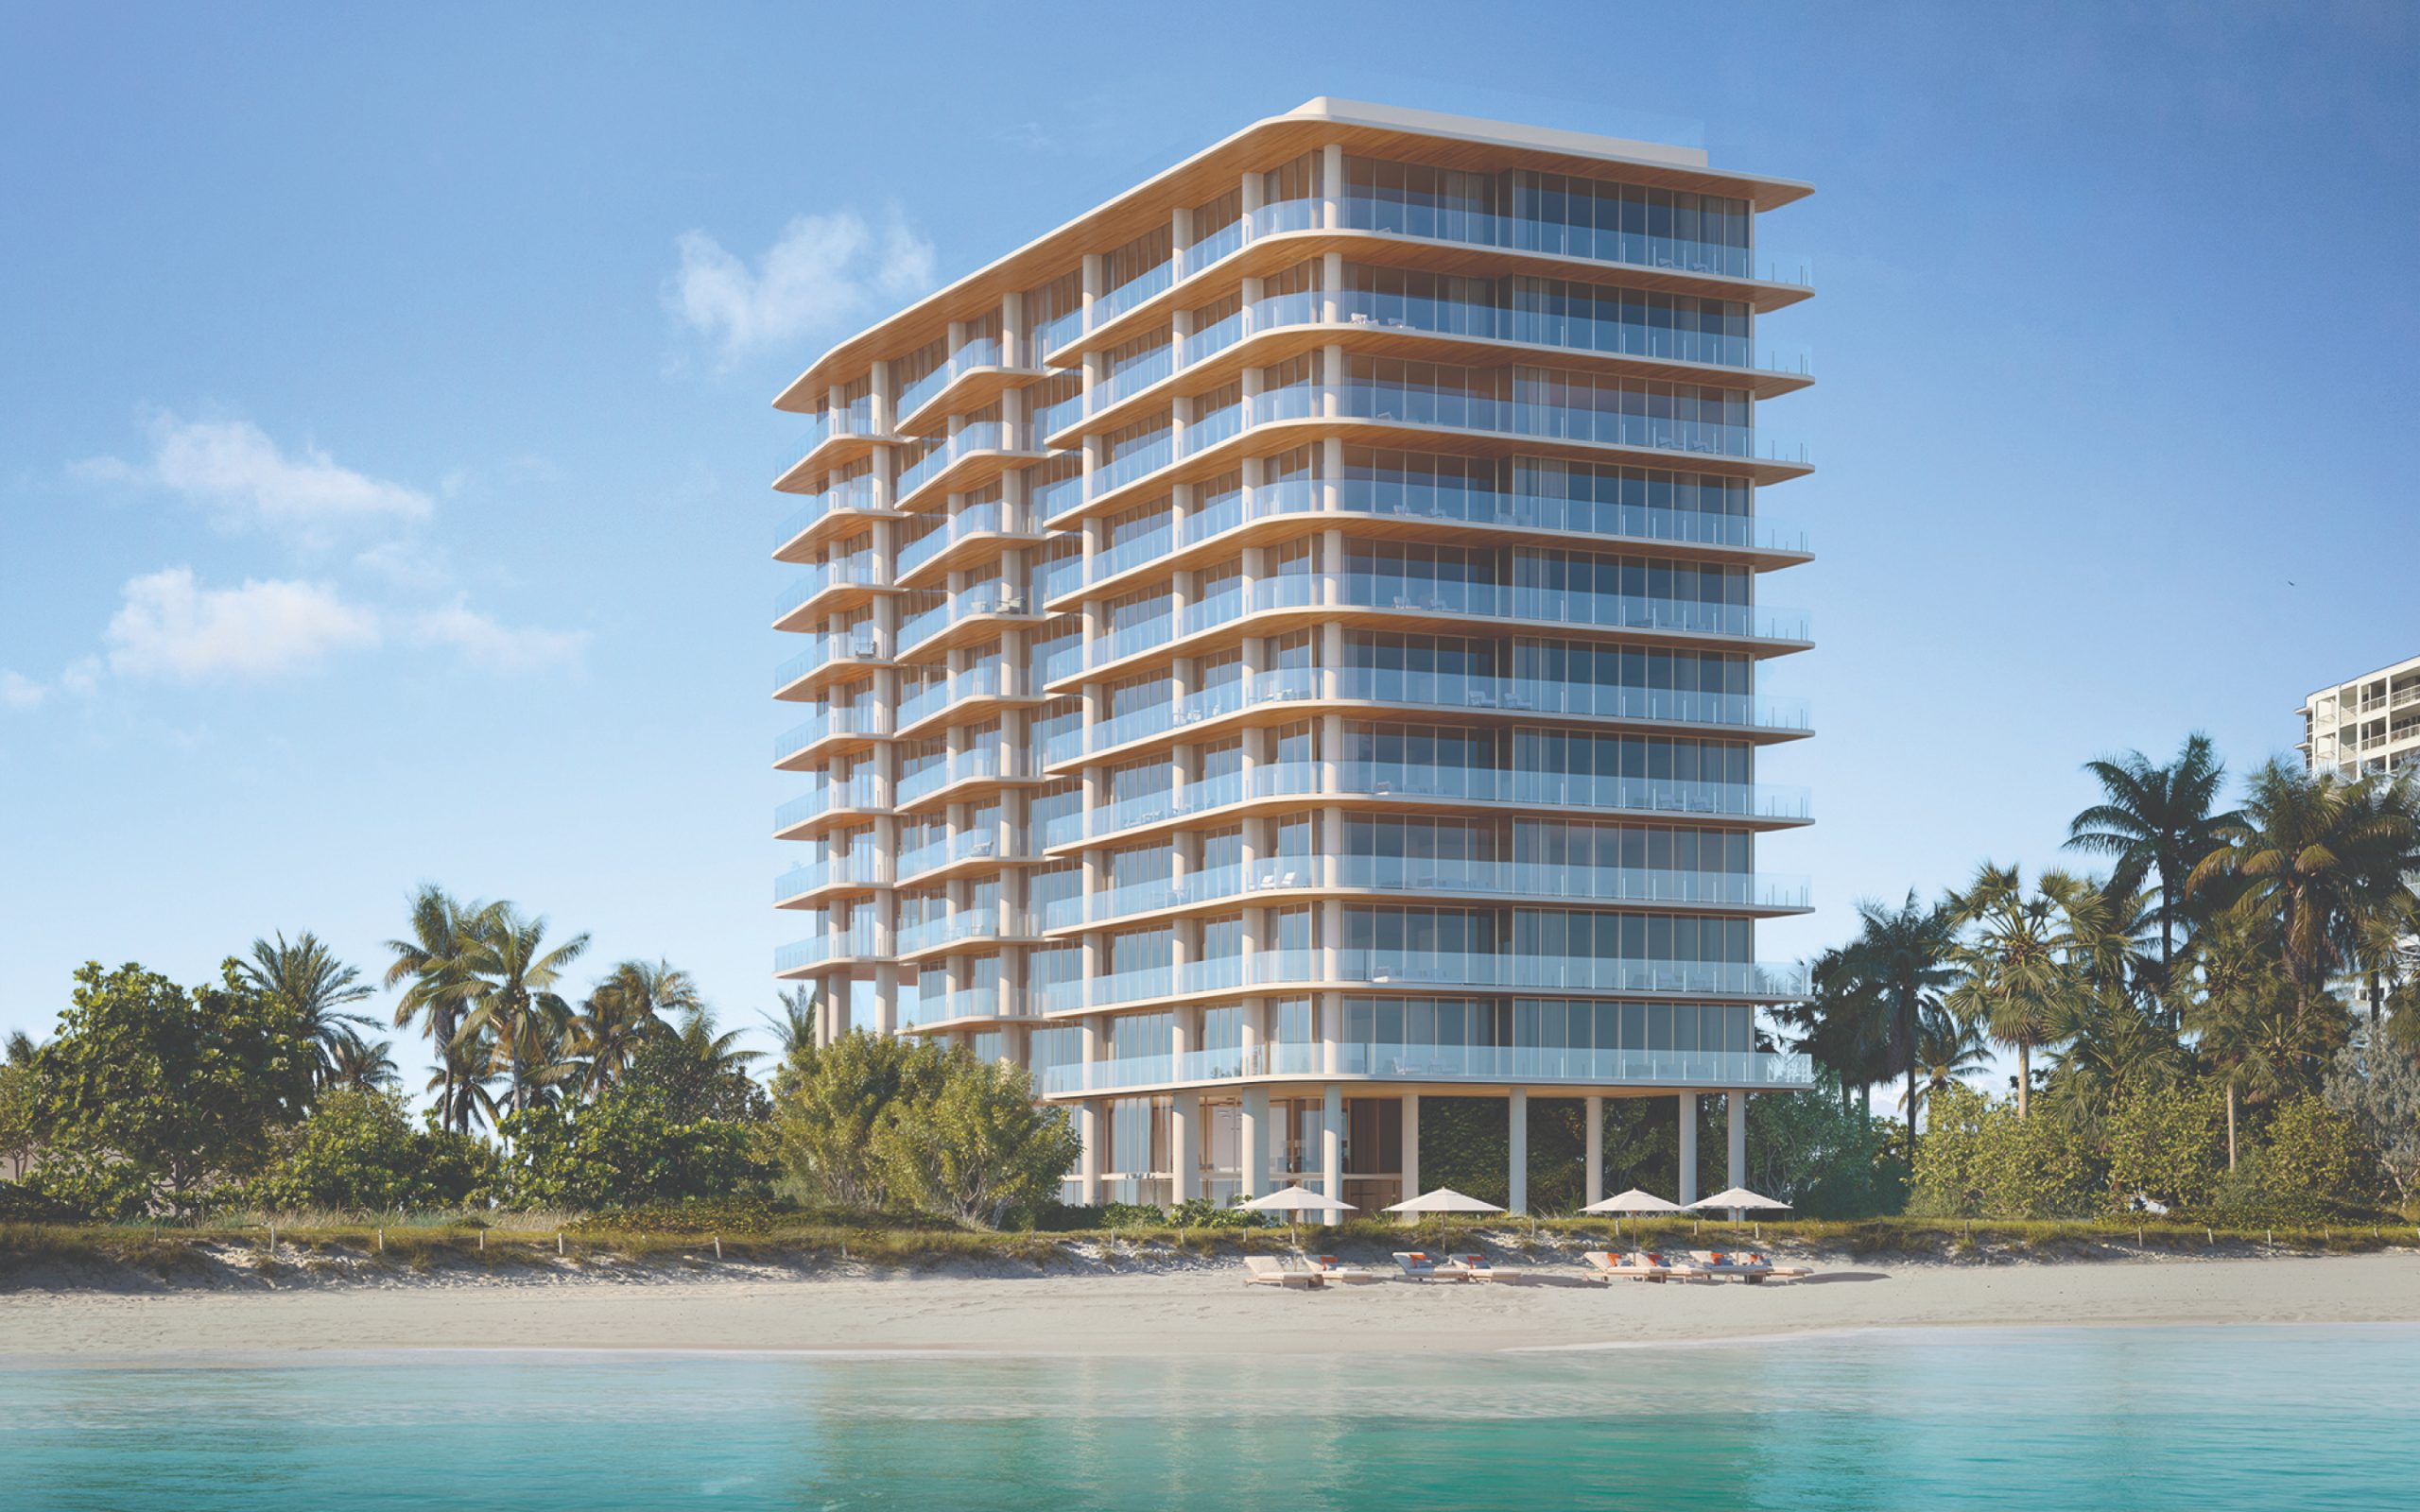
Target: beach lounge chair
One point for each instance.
(1416, 1266)
(1469, 1267)
(1780, 1273)
(1636, 1267)
(1281, 1271)
(1335, 1270)
(1732, 1264)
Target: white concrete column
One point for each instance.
(1410, 1150)
(1331, 1141)
(1185, 1162)
(1088, 1129)
(1332, 185)
(1596, 1139)
(1252, 1143)
(886, 998)
(1738, 1111)
(835, 1006)
(1519, 1120)
(1689, 1148)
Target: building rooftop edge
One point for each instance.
(1323, 108)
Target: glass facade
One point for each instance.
(1230, 676)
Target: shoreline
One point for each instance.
(1194, 1311)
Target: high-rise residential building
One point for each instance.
(1287, 644)
(2367, 725)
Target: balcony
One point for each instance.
(830, 732)
(828, 800)
(825, 515)
(834, 656)
(1455, 331)
(951, 544)
(973, 377)
(860, 943)
(829, 587)
(975, 455)
(833, 439)
(977, 613)
(858, 871)
(1381, 1060)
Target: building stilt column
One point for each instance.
(1519, 1119)
(1332, 1142)
(1410, 1151)
(1689, 1148)
(1252, 1143)
(1184, 1139)
(1596, 1160)
(1088, 1129)
(1738, 1132)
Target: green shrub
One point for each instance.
(358, 1152)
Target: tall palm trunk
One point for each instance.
(1907, 1038)
(2024, 1080)
(2230, 1122)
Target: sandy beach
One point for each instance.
(1203, 1309)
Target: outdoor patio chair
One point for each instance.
(1281, 1271)
(1731, 1264)
(1335, 1270)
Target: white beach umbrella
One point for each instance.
(1739, 1201)
(1441, 1202)
(1293, 1201)
(1634, 1201)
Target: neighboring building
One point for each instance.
(1286, 644)
(2369, 725)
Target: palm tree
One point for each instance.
(20, 1051)
(1947, 1048)
(514, 1007)
(310, 983)
(2116, 1045)
(1901, 956)
(794, 1026)
(625, 1011)
(2157, 822)
(2241, 983)
(362, 1065)
(717, 1055)
(2315, 856)
(2386, 947)
(2024, 981)
(435, 968)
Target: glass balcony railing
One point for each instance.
(1632, 248)
(1055, 333)
(1134, 462)
(858, 868)
(864, 791)
(1286, 215)
(862, 569)
(1438, 1062)
(1572, 974)
(1643, 795)
(983, 351)
(989, 517)
(861, 645)
(1587, 883)
(1134, 377)
(1213, 248)
(1448, 690)
(862, 720)
(1210, 429)
(982, 436)
(1571, 606)
(1587, 516)
(854, 496)
(859, 942)
(1457, 411)
(1491, 322)
(1132, 292)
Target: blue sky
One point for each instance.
(385, 435)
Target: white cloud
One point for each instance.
(17, 690)
(171, 626)
(233, 469)
(822, 272)
(499, 647)
(411, 565)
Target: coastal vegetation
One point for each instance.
(2217, 1035)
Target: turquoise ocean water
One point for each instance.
(2066, 1418)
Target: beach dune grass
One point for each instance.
(338, 1244)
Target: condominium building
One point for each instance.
(1286, 644)
(2370, 725)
